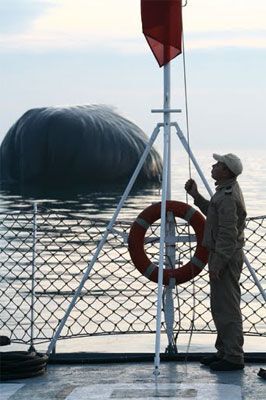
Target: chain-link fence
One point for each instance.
(45, 253)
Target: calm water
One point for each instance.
(101, 202)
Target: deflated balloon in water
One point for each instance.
(79, 144)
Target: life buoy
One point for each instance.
(137, 235)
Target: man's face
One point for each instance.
(219, 171)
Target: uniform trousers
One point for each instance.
(225, 307)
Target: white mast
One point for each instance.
(166, 195)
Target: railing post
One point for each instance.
(33, 270)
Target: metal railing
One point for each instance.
(44, 254)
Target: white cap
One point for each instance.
(231, 161)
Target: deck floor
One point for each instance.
(177, 380)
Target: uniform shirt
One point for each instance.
(224, 228)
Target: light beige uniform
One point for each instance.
(224, 238)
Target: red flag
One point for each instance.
(162, 27)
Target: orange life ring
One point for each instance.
(137, 235)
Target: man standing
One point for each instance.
(224, 238)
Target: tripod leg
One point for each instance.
(104, 238)
(254, 276)
(187, 148)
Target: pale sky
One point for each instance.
(61, 52)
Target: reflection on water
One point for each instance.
(100, 202)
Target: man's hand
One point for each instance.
(191, 188)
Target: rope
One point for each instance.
(186, 107)
(21, 364)
(190, 175)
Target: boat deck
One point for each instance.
(177, 380)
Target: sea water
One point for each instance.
(101, 202)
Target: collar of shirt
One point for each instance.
(229, 182)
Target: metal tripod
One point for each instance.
(166, 195)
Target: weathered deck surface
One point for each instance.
(177, 380)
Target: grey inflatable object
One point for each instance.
(79, 144)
